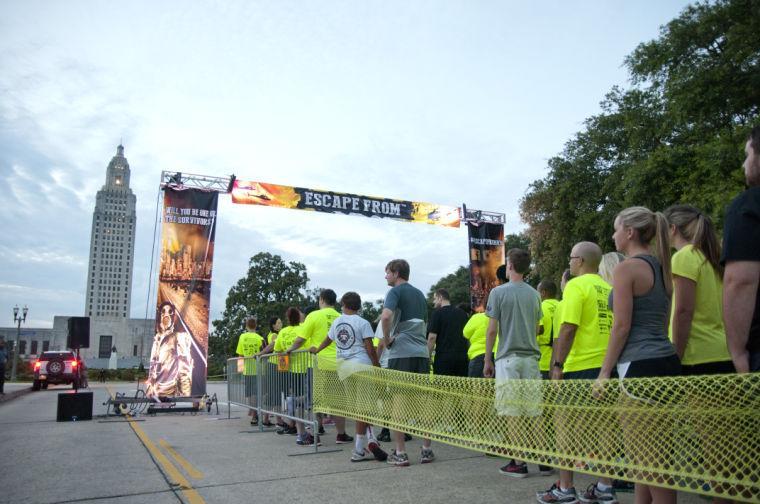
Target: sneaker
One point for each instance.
(308, 440)
(293, 431)
(593, 495)
(385, 436)
(255, 421)
(426, 456)
(401, 460)
(357, 456)
(320, 430)
(343, 439)
(623, 486)
(545, 470)
(515, 470)
(407, 437)
(555, 495)
(380, 454)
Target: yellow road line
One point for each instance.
(187, 466)
(191, 495)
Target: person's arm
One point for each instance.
(386, 318)
(431, 342)
(562, 346)
(683, 312)
(297, 343)
(270, 346)
(370, 348)
(325, 343)
(622, 286)
(493, 328)
(740, 282)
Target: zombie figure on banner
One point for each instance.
(171, 360)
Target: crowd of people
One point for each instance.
(638, 311)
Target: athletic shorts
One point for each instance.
(708, 368)
(518, 386)
(456, 366)
(648, 368)
(420, 365)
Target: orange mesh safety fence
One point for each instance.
(695, 434)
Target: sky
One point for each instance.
(448, 102)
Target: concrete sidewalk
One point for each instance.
(210, 458)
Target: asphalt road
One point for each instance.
(209, 458)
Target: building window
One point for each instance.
(134, 351)
(34, 347)
(45, 346)
(104, 349)
(22, 347)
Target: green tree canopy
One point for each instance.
(675, 136)
(269, 287)
(458, 285)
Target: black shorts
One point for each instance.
(709, 368)
(475, 367)
(420, 365)
(583, 374)
(643, 390)
(250, 385)
(450, 366)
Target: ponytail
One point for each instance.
(662, 246)
(697, 228)
(706, 240)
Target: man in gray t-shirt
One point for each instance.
(515, 310)
(404, 324)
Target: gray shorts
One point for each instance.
(420, 365)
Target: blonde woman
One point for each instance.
(639, 344)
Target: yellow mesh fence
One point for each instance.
(695, 434)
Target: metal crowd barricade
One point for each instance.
(274, 384)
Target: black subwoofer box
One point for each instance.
(74, 406)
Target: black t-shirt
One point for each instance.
(741, 242)
(448, 322)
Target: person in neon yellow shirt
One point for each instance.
(249, 344)
(294, 378)
(579, 350)
(313, 332)
(696, 321)
(546, 330)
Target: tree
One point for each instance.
(371, 310)
(458, 285)
(675, 136)
(270, 286)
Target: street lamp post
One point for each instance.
(18, 320)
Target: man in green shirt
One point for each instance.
(249, 344)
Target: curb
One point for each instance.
(16, 393)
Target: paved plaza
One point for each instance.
(210, 458)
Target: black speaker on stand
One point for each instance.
(73, 406)
(78, 337)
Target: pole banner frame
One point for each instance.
(178, 358)
(486, 244)
(274, 195)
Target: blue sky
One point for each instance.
(446, 102)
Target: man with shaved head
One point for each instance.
(578, 354)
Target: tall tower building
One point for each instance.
(112, 244)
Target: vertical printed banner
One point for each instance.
(180, 345)
(486, 255)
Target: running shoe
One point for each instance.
(380, 454)
(400, 460)
(594, 495)
(515, 470)
(320, 430)
(357, 456)
(308, 440)
(385, 436)
(426, 455)
(545, 470)
(555, 495)
(343, 439)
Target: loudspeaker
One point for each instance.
(73, 406)
(79, 332)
